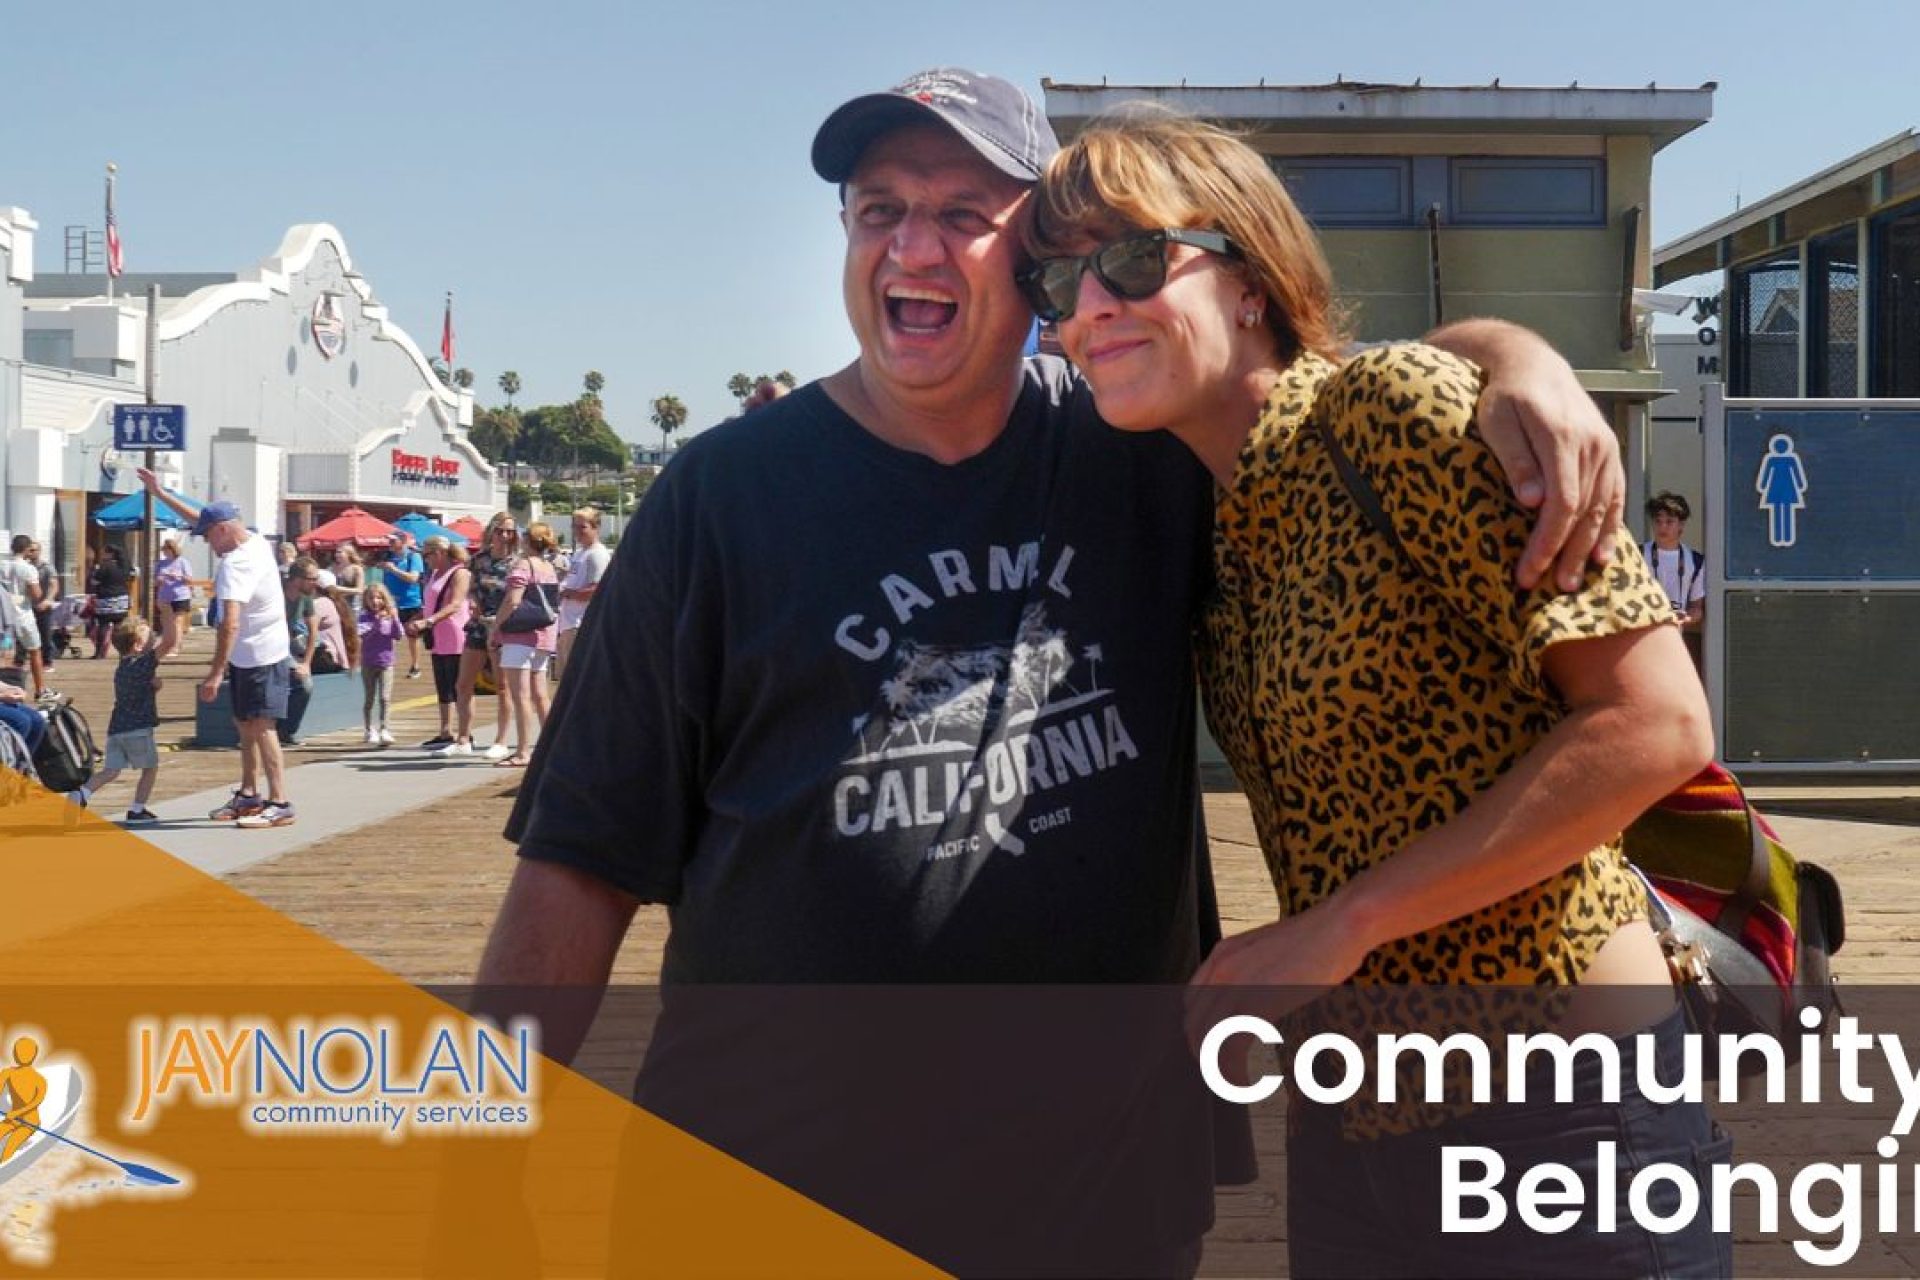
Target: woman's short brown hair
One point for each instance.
(539, 536)
(1144, 167)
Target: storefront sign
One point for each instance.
(419, 468)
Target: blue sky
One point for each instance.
(624, 187)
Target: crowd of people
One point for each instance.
(1416, 678)
(493, 620)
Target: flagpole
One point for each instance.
(110, 231)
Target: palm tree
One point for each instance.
(898, 692)
(669, 414)
(463, 378)
(594, 381)
(786, 379)
(740, 386)
(510, 386)
(1055, 658)
(1093, 653)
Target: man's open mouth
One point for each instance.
(920, 310)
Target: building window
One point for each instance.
(1896, 303)
(50, 347)
(1350, 191)
(1527, 190)
(1766, 328)
(1833, 314)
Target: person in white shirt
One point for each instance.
(20, 579)
(588, 566)
(250, 651)
(1681, 569)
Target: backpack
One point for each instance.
(66, 756)
(1747, 926)
(1752, 926)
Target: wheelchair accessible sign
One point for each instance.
(162, 427)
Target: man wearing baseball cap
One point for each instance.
(250, 652)
(895, 686)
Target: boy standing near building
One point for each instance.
(130, 743)
(1680, 569)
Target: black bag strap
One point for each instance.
(1362, 493)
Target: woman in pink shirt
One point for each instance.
(522, 656)
(444, 620)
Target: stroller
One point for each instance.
(69, 615)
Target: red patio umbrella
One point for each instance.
(469, 526)
(352, 525)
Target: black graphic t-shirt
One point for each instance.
(859, 716)
(134, 705)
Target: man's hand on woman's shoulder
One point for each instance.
(1557, 448)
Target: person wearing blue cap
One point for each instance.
(896, 683)
(405, 575)
(250, 652)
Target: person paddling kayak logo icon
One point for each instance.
(41, 1113)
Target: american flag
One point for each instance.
(114, 263)
(446, 337)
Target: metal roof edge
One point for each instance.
(1852, 169)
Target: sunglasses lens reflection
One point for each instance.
(1130, 269)
(1133, 269)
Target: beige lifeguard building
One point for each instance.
(1437, 203)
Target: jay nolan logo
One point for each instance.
(339, 1075)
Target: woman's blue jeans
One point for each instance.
(25, 721)
(1375, 1208)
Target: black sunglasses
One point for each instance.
(1132, 269)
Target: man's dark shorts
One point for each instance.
(260, 693)
(409, 615)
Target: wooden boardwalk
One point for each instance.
(417, 896)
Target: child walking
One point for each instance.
(130, 743)
(380, 629)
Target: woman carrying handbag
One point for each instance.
(525, 637)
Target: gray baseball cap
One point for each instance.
(996, 117)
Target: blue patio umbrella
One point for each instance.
(130, 513)
(423, 528)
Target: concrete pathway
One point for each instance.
(330, 797)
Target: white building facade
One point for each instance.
(302, 396)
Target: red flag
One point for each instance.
(114, 263)
(446, 337)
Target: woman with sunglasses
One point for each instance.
(443, 619)
(524, 655)
(489, 567)
(1438, 764)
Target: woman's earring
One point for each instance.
(1248, 319)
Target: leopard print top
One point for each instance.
(1360, 706)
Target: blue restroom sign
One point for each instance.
(1822, 494)
(162, 427)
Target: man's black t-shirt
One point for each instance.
(859, 716)
(863, 719)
